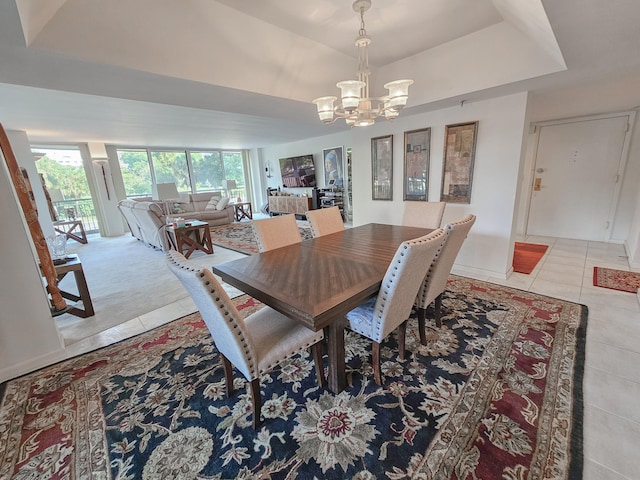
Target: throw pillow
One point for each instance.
(213, 203)
(224, 201)
(177, 208)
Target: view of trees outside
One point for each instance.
(62, 170)
(171, 167)
(209, 169)
(136, 173)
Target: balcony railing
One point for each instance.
(78, 209)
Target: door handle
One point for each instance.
(536, 184)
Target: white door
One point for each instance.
(576, 172)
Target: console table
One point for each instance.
(194, 236)
(289, 204)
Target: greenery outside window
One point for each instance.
(171, 167)
(136, 172)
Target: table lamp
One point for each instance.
(165, 192)
(229, 186)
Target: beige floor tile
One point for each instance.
(612, 441)
(595, 471)
(115, 334)
(569, 275)
(555, 289)
(164, 315)
(575, 260)
(614, 360)
(615, 327)
(612, 394)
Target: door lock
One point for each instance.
(536, 184)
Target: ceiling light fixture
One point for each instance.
(356, 107)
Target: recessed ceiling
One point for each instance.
(242, 74)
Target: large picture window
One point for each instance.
(191, 170)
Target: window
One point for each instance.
(136, 173)
(66, 183)
(191, 170)
(208, 170)
(171, 167)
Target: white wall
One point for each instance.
(488, 250)
(29, 338)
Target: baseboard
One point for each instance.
(31, 365)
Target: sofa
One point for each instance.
(147, 220)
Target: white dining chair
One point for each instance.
(379, 316)
(254, 344)
(423, 214)
(325, 221)
(276, 232)
(435, 282)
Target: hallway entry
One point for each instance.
(577, 176)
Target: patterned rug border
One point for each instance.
(605, 270)
(575, 470)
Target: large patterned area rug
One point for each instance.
(495, 394)
(616, 279)
(239, 236)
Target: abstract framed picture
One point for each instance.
(333, 167)
(416, 164)
(459, 155)
(382, 168)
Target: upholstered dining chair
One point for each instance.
(423, 214)
(276, 232)
(379, 316)
(324, 221)
(254, 344)
(435, 282)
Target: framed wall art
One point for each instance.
(416, 164)
(382, 168)
(333, 167)
(459, 154)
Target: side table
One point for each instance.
(73, 264)
(195, 235)
(242, 210)
(68, 227)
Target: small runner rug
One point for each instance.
(495, 394)
(616, 279)
(239, 236)
(526, 256)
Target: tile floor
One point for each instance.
(612, 376)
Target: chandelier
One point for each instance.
(356, 107)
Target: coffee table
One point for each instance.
(195, 235)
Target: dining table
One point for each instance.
(318, 281)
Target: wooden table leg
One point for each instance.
(335, 344)
(83, 290)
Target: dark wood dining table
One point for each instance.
(318, 281)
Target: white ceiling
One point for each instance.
(241, 74)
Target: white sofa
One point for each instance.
(147, 221)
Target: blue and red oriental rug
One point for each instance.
(495, 394)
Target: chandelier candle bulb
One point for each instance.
(356, 106)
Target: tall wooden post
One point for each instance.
(31, 217)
